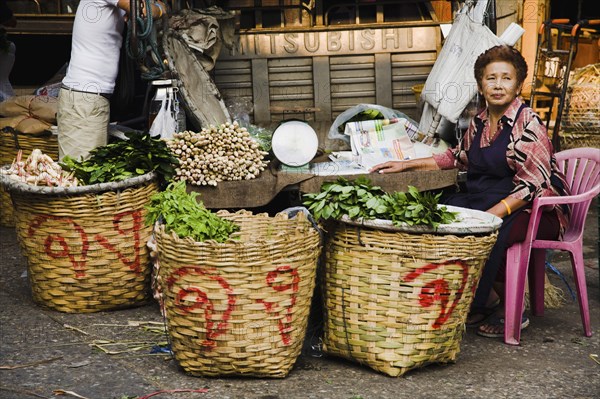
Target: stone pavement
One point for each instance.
(47, 354)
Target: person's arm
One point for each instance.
(452, 158)
(403, 166)
(532, 164)
(158, 7)
(506, 207)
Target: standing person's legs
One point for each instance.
(82, 120)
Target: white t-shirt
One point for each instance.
(95, 48)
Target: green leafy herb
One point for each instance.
(359, 199)
(417, 208)
(123, 159)
(356, 199)
(186, 216)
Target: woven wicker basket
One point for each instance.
(240, 307)
(570, 140)
(396, 301)
(580, 125)
(85, 246)
(10, 144)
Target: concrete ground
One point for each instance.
(106, 355)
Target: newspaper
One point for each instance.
(374, 142)
(338, 166)
(380, 140)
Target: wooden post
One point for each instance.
(534, 13)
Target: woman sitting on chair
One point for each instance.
(509, 161)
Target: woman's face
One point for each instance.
(499, 84)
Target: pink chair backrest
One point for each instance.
(581, 167)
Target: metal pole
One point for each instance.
(133, 16)
(491, 16)
(565, 84)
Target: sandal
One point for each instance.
(481, 313)
(497, 322)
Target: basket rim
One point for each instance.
(9, 130)
(13, 185)
(470, 221)
(160, 229)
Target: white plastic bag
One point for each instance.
(165, 123)
(451, 83)
(412, 128)
(388, 113)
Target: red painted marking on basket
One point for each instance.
(65, 252)
(202, 301)
(284, 326)
(438, 290)
(134, 264)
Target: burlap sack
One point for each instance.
(39, 107)
(24, 124)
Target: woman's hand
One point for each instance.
(389, 167)
(402, 166)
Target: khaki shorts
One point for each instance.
(82, 120)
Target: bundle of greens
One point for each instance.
(181, 213)
(359, 199)
(417, 208)
(123, 159)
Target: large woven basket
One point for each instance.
(580, 124)
(85, 246)
(10, 144)
(395, 301)
(570, 140)
(240, 307)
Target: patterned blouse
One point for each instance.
(529, 153)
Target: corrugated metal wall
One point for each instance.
(319, 75)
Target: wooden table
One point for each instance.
(262, 190)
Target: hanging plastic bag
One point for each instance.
(165, 124)
(336, 132)
(388, 115)
(451, 83)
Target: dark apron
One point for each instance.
(489, 179)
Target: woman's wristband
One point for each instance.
(508, 210)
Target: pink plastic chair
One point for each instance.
(581, 167)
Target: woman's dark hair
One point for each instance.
(501, 53)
